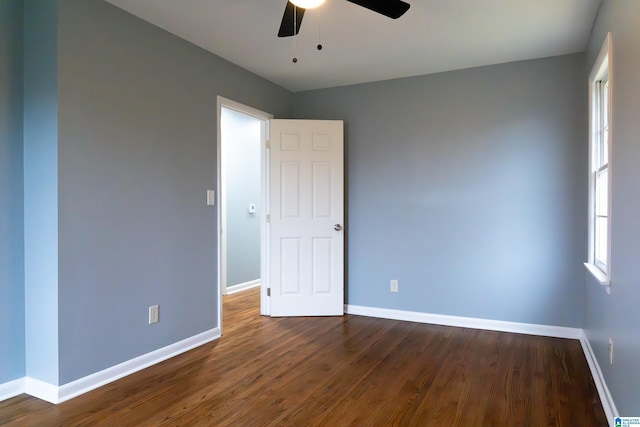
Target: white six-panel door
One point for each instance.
(306, 218)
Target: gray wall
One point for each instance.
(41, 190)
(616, 315)
(241, 138)
(137, 152)
(12, 362)
(469, 188)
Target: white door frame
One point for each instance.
(221, 225)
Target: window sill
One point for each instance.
(600, 277)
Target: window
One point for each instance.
(601, 177)
(599, 166)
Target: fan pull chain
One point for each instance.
(319, 47)
(295, 33)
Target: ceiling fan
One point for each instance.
(294, 11)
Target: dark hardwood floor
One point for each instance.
(349, 370)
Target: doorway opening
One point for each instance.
(240, 201)
(242, 136)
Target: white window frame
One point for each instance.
(600, 75)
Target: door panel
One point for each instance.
(307, 201)
(321, 273)
(290, 189)
(290, 250)
(321, 190)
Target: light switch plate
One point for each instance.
(211, 197)
(154, 314)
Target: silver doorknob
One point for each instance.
(337, 227)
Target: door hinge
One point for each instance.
(268, 218)
(268, 292)
(268, 143)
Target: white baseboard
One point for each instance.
(11, 389)
(42, 390)
(58, 394)
(606, 399)
(243, 286)
(466, 322)
(498, 325)
(55, 394)
(116, 372)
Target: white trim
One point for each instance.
(243, 109)
(243, 286)
(503, 326)
(55, 394)
(223, 102)
(603, 391)
(602, 67)
(42, 390)
(265, 230)
(222, 206)
(11, 389)
(58, 394)
(116, 372)
(219, 258)
(466, 322)
(598, 274)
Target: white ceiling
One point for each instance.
(362, 46)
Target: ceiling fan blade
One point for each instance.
(287, 28)
(392, 8)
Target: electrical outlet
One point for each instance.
(154, 314)
(394, 285)
(610, 351)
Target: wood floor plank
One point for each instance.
(336, 371)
